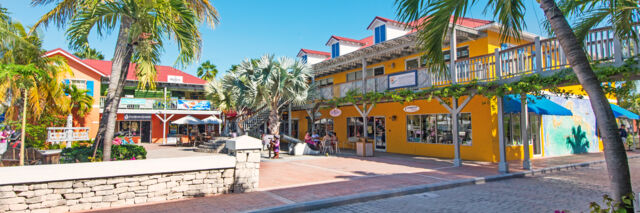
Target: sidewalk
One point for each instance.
(309, 179)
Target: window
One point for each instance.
(129, 128)
(355, 128)
(304, 59)
(284, 126)
(461, 52)
(323, 126)
(324, 82)
(80, 84)
(375, 71)
(380, 34)
(437, 128)
(335, 50)
(411, 64)
(511, 125)
(357, 75)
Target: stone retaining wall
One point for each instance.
(104, 192)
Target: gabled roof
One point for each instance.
(308, 51)
(73, 58)
(462, 21)
(345, 39)
(163, 72)
(103, 68)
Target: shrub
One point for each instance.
(79, 153)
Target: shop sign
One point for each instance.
(174, 79)
(411, 108)
(335, 112)
(137, 117)
(194, 105)
(403, 79)
(141, 103)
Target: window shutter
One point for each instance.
(383, 33)
(66, 82)
(90, 88)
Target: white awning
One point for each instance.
(188, 120)
(212, 120)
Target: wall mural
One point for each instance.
(570, 134)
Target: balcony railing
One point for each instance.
(540, 56)
(160, 104)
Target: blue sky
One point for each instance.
(251, 28)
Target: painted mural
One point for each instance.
(575, 134)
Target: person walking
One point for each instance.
(623, 134)
(275, 146)
(5, 137)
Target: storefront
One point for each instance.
(136, 127)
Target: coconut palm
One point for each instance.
(89, 53)
(80, 103)
(143, 25)
(207, 71)
(510, 13)
(273, 84)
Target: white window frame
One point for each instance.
(409, 59)
(436, 114)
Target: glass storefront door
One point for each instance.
(376, 130)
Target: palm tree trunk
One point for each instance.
(119, 69)
(615, 155)
(24, 127)
(274, 121)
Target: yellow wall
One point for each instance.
(483, 119)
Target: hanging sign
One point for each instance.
(335, 112)
(411, 108)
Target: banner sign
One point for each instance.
(411, 108)
(194, 105)
(335, 112)
(403, 79)
(174, 79)
(142, 103)
(137, 117)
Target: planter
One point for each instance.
(364, 148)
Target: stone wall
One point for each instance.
(84, 186)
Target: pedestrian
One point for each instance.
(5, 136)
(275, 146)
(623, 134)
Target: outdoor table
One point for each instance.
(51, 156)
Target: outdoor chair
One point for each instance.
(12, 157)
(326, 146)
(337, 146)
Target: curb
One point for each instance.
(369, 196)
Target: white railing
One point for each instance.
(67, 134)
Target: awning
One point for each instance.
(621, 112)
(535, 104)
(188, 120)
(212, 120)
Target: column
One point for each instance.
(247, 168)
(524, 131)
(289, 128)
(364, 90)
(455, 133)
(503, 166)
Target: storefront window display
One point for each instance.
(437, 128)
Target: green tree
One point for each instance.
(272, 84)
(143, 26)
(89, 53)
(207, 71)
(510, 14)
(80, 103)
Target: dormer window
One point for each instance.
(335, 50)
(380, 34)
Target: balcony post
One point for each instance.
(524, 131)
(538, 47)
(289, 121)
(364, 91)
(496, 63)
(617, 50)
(503, 166)
(452, 55)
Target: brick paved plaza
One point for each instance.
(312, 178)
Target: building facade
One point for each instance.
(389, 60)
(143, 115)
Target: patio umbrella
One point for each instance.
(212, 120)
(188, 120)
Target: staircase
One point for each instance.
(255, 123)
(217, 146)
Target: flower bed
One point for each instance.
(118, 152)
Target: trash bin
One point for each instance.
(364, 148)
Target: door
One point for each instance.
(380, 136)
(145, 132)
(534, 125)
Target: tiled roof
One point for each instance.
(315, 52)
(162, 72)
(462, 21)
(346, 39)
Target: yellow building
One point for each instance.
(389, 60)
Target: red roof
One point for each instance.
(368, 41)
(346, 39)
(162, 72)
(462, 21)
(315, 52)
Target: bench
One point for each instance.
(12, 157)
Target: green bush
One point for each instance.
(77, 154)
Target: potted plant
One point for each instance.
(364, 147)
(631, 143)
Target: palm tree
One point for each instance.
(80, 103)
(273, 84)
(89, 53)
(511, 15)
(207, 71)
(144, 24)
